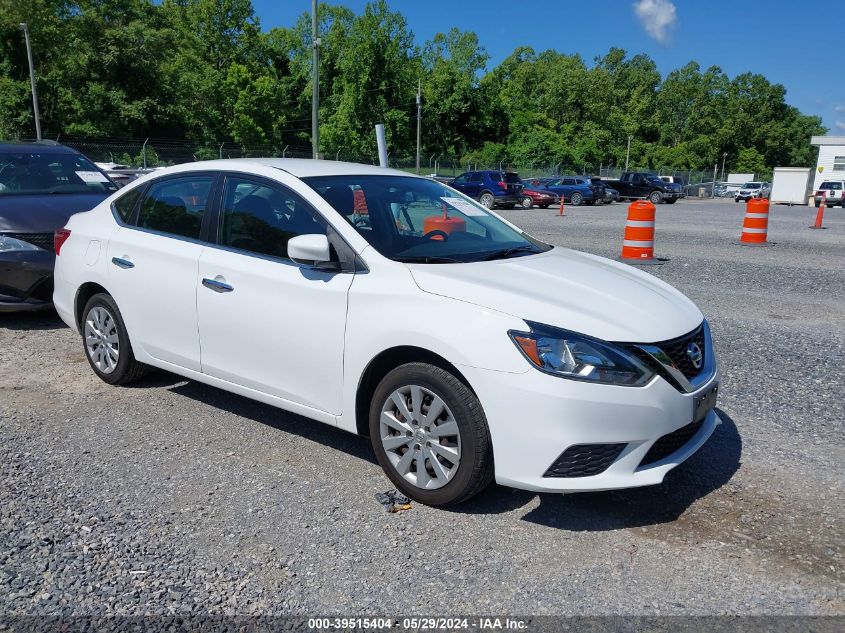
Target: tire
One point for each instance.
(576, 199)
(543, 206)
(102, 327)
(446, 482)
(487, 199)
(527, 202)
(655, 197)
(670, 200)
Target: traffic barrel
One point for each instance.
(820, 213)
(561, 213)
(755, 226)
(638, 243)
(444, 223)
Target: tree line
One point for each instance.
(205, 72)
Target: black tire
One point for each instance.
(670, 200)
(475, 470)
(527, 202)
(655, 197)
(487, 199)
(543, 206)
(576, 199)
(127, 368)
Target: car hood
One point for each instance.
(569, 289)
(44, 213)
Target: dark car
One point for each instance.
(609, 194)
(491, 188)
(537, 196)
(574, 189)
(41, 186)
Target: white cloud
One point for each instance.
(840, 108)
(840, 125)
(658, 17)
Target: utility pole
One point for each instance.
(724, 156)
(628, 153)
(315, 81)
(419, 122)
(25, 30)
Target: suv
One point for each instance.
(490, 187)
(833, 191)
(753, 190)
(41, 185)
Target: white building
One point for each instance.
(831, 159)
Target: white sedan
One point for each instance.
(392, 306)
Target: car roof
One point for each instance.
(44, 147)
(299, 167)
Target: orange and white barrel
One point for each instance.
(638, 242)
(755, 226)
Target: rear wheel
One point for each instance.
(576, 199)
(655, 197)
(487, 199)
(106, 342)
(527, 202)
(430, 435)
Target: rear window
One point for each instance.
(512, 177)
(831, 186)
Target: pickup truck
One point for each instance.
(642, 185)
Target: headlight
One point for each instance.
(579, 357)
(11, 244)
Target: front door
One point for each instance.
(266, 323)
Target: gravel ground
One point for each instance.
(174, 497)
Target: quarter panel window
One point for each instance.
(176, 206)
(261, 219)
(125, 204)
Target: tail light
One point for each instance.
(503, 184)
(59, 238)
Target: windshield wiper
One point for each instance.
(527, 249)
(428, 259)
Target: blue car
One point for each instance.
(491, 188)
(41, 186)
(575, 190)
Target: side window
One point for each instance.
(460, 179)
(176, 206)
(475, 177)
(261, 219)
(125, 204)
(568, 181)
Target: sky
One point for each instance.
(775, 38)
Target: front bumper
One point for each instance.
(26, 280)
(534, 417)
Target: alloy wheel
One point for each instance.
(420, 437)
(487, 200)
(101, 339)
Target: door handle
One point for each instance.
(217, 286)
(122, 263)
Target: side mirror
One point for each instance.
(310, 250)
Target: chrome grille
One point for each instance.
(676, 350)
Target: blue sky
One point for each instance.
(773, 37)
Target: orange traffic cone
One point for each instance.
(561, 213)
(755, 226)
(638, 244)
(820, 213)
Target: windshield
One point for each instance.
(34, 173)
(417, 220)
(832, 186)
(751, 185)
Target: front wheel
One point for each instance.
(430, 435)
(106, 342)
(487, 200)
(527, 202)
(576, 199)
(655, 197)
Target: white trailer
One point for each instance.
(789, 185)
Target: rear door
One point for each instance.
(474, 184)
(153, 267)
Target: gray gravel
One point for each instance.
(174, 497)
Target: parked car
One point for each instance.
(678, 181)
(575, 190)
(442, 332)
(490, 187)
(538, 197)
(642, 185)
(752, 190)
(609, 193)
(833, 192)
(41, 186)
